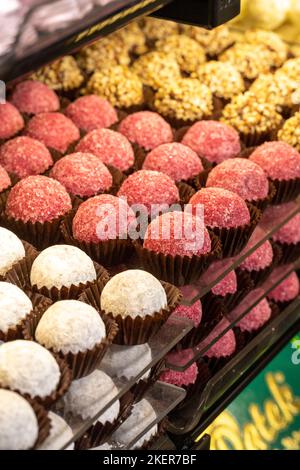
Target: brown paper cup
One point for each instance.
(3, 198)
(290, 252)
(185, 192)
(262, 204)
(29, 251)
(247, 152)
(44, 423)
(161, 430)
(259, 277)
(286, 191)
(258, 138)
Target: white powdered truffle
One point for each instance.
(12, 250)
(87, 396)
(126, 361)
(133, 293)
(70, 326)
(14, 306)
(142, 416)
(60, 434)
(62, 265)
(18, 423)
(27, 367)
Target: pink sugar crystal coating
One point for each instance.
(287, 290)
(185, 378)
(228, 285)
(34, 97)
(38, 199)
(11, 121)
(4, 179)
(192, 312)
(262, 257)
(256, 318)
(53, 129)
(24, 156)
(175, 160)
(91, 112)
(278, 160)
(225, 346)
(290, 232)
(213, 140)
(82, 174)
(147, 129)
(111, 147)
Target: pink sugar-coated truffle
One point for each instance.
(175, 160)
(147, 129)
(185, 378)
(149, 188)
(24, 156)
(222, 208)
(256, 318)
(82, 174)
(262, 257)
(111, 147)
(53, 129)
(241, 176)
(290, 232)
(228, 285)
(213, 140)
(177, 233)
(38, 199)
(5, 181)
(102, 218)
(11, 121)
(225, 346)
(34, 97)
(280, 161)
(91, 112)
(287, 290)
(192, 312)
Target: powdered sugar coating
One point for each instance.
(11, 121)
(14, 306)
(225, 346)
(147, 129)
(12, 250)
(111, 147)
(126, 361)
(290, 232)
(91, 112)
(287, 290)
(54, 130)
(262, 257)
(25, 156)
(38, 199)
(187, 377)
(278, 160)
(256, 318)
(213, 140)
(60, 433)
(5, 181)
(27, 367)
(18, 423)
(70, 326)
(133, 293)
(34, 97)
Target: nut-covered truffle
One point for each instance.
(214, 41)
(156, 68)
(34, 97)
(155, 29)
(14, 306)
(277, 89)
(290, 132)
(250, 59)
(91, 112)
(12, 250)
(107, 51)
(133, 38)
(291, 69)
(270, 40)
(63, 74)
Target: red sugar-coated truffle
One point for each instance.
(187, 377)
(38, 199)
(241, 176)
(177, 233)
(11, 121)
(290, 232)
(213, 140)
(256, 318)
(149, 188)
(4, 179)
(102, 217)
(262, 257)
(225, 346)
(228, 285)
(192, 312)
(82, 174)
(91, 112)
(34, 97)
(111, 147)
(280, 161)
(24, 156)
(147, 129)
(222, 208)
(287, 290)
(53, 129)
(175, 160)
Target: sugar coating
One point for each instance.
(222, 208)
(38, 199)
(34, 97)
(225, 346)
(18, 423)
(29, 368)
(126, 361)
(11, 120)
(60, 433)
(278, 160)
(87, 396)
(91, 112)
(228, 285)
(14, 306)
(287, 290)
(133, 293)
(192, 312)
(262, 257)
(256, 318)
(290, 232)
(70, 326)
(12, 250)
(187, 377)
(213, 140)
(111, 147)
(147, 129)
(54, 130)
(5, 181)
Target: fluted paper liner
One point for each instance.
(3, 198)
(44, 423)
(160, 431)
(140, 388)
(286, 190)
(260, 276)
(290, 252)
(257, 138)
(186, 192)
(29, 251)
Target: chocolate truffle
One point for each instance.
(251, 60)
(228, 285)
(147, 129)
(279, 160)
(214, 41)
(29, 368)
(291, 68)
(127, 361)
(12, 250)
(270, 40)
(155, 29)
(213, 140)
(192, 312)
(185, 378)
(290, 132)
(255, 319)
(11, 121)
(287, 290)
(37, 199)
(33, 97)
(111, 147)
(14, 306)
(24, 156)
(5, 181)
(54, 130)
(262, 257)
(156, 68)
(290, 232)
(60, 434)
(91, 112)
(108, 51)
(225, 346)
(82, 174)
(18, 423)
(70, 326)
(277, 89)
(63, 74)
(133, 293)
(62, 265)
